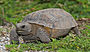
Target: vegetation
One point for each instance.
(70, 43)
(14, 11)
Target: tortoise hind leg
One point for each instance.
(76, 30)
(14, 36)
(42, 34)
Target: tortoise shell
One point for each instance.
(53, 18)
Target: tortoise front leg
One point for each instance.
(14, 36)
(76, 30)
(42, 34)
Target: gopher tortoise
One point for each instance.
(45, 24)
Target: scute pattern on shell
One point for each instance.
(53, 18)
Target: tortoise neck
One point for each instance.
(33, 28)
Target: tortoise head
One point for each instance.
(23, 28)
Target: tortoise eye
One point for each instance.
(23, 26)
